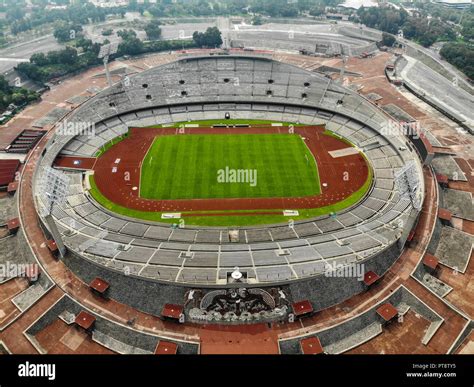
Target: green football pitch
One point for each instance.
(228, 166)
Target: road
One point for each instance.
(440, 89)
(21, 52)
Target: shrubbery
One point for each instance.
(16, 95)
(460, 55)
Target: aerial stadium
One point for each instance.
(238, 201)
(353, 194)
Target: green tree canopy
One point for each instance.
(210, 38)
(153, 30)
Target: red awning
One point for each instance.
(99, 285)
(370, 277)
(440, 178)
(166, 348)
(311, 346)
(387, 311)
(12, 187)
(13, 224)
(302, 307)
(430, 261)
(52, 246)
(172, 311)
(85, 320)
(411, 235)
(444, 214)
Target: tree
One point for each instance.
(131, 46)
(67, 56)
(39, 59)
(317, 10)
(15, 13)
(4, 86)
(388, 39)
(127, 34)
(210, 38)
(460, 55)
(157, 10)
(257, 20)
(31, 71)
(289, 11)
(153, 30)
(64, 32)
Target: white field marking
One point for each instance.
(141, 165)
(315, 163)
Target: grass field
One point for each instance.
(187, 167)
(244, 219)
(231, 220)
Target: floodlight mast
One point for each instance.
(105, 51)
(343, 69)
(107, 73)
(56, 189)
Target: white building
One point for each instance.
(459, 4)
(109, 3)
(356, 4)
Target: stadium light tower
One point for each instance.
(343, 69)
(105, 51)
(56, 187)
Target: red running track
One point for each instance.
(126, 157)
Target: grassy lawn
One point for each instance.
(194, 167)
